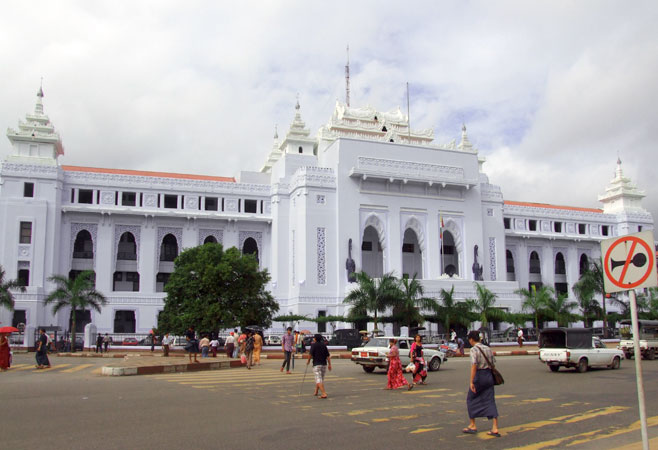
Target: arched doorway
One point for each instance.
(169, 248)
(412, 258)
(584, 264)
(561, 286)
(127, 250)
(83, 247)
(372, 255)
(534, 277)
(450, 255)
(250, 247)
(210, 240)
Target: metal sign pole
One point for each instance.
(638, 370)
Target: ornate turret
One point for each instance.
(35, 141)
(298, 138)
(621, 195)
(275, 153)
(465, 144)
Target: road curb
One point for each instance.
(171, 368)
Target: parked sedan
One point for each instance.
(375, 354)
(130, 341)
(273, 339)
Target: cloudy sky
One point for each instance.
(550, 91)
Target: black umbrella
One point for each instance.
(254, 328)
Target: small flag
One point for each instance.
(441, 226)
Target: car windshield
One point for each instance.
(377, 342)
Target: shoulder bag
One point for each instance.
(498, 377)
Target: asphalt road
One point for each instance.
(73, 407)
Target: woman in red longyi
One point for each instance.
(395, 377)
(4, 352)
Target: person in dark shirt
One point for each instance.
(321, 361)
(192, 345)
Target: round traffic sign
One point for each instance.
(638, 259)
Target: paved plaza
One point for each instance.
(73, 406)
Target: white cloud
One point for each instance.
(550, 91)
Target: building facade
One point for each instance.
(365, 193)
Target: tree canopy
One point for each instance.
(212, 288)
(373, 295)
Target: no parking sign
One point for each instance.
(629, 262)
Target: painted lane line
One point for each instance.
(424, 430)
(571, 418)
(77, 368)
(56, 366)
(360, 412)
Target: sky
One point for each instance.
(552, 92)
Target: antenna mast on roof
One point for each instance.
(408, 115)
(347, 78)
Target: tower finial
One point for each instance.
(297, 104)
(276, 131)
(38, 108)
(347, 78)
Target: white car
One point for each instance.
(273, 339)
(375, 354)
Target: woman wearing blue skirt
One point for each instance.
(481, 398)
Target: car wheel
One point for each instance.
(616, 363)
(651, 354)
(582, 365)
(435, 364)
(554, 368)
(368, 369)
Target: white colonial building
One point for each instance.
(403, 203)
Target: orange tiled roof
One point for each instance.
(145, 173)
(546, 205)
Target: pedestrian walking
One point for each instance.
(453, 335)
(153, 339)
(321, 362)
(166, 343)
(299, 341)
(519, 337)
(241, 342)
(99, 343)
(249, 349)
(236, 335)
(5, 362)
(418, 359)
(214, 346)
(229, 346)
(460, 346)
(258, 346)
(204, 344)
(192, 345)
(395, 376)
(107, 340)
(42, 350)
(481, 398)
(287, 345)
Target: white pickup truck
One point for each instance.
(576, 347)
(648, 338)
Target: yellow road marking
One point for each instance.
(240, 383)
(498, 397)
(97, 371)
(388, 419)
(536, 400)
(571, 418)
(362, 423)
(77, 368)
(421, 391)
(56, 366)
(424, 430)
(589, 436)
(27, 367)
(359, 412)
(16, 366)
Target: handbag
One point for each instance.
(410, 367)
(497, 376)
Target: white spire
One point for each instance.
(38, 108)
(621, 195)
(465, 144)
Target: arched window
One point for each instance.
(83, 247)
(584, 263)
(449, 254)
(250, 247)
(127, 250)
(560, 266)
(169, 248)
(210, 240)
(535, 264)
(301, 150)
(511, 276)
(412, 262)
(372, 255)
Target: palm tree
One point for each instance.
(535, 300)
(6, 286)
(77, 293)
(592, 280)
(588, 305)
(483, 305)
(411, 302)
(559, 309)
(374, 294)
(447, 308)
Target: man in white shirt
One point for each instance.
(519, 337)
(166, 342)
(229, 345)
